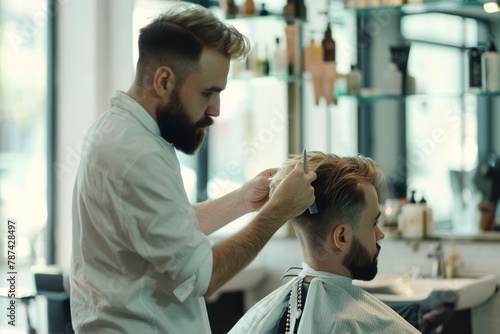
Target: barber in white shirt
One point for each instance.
(141, 260)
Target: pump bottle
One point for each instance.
(490, 68)
(394, 80)
(328, 45)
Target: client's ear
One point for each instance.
(341, 237)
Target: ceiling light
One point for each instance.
(491, 7)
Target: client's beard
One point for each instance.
(360, 263)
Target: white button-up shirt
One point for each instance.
(140, 263)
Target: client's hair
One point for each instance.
(338, 192)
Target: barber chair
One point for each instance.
(427, 319)
(50, 284)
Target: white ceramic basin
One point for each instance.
(467, 291)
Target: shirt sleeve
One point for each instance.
(162, 225)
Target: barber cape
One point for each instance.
(333, 305)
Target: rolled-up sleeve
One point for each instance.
(161, 224)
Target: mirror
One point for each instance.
(444, 146)
(437, 141)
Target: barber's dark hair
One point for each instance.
(338, 191)
(177, 37)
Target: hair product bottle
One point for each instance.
(279, 61)
(393, 79)
(354, 81)
(291, 33)
(289, 9)
(313, 63)
(490, 62)
(475, 78)
(263, 10)
(413, 219)
(248, 8)
(229, 7)
(300, 9)
(329, 74)
(328, 45)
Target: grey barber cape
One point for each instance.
(333, 305)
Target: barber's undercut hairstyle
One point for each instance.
(338, 190)
(177, 37)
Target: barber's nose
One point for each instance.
(379, 233)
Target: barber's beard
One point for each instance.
(178, 129)
(360, 263)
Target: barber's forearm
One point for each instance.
(233, 254)
(217, 213)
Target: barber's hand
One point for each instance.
(294, 194)
(255, 192)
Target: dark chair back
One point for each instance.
(51, 285)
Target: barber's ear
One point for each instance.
(341, 237)
(164, 81)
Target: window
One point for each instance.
(25, 118)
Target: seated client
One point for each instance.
(339, 244)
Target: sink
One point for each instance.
(464, 292)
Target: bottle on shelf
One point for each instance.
(291, 35)
(289, 9)
(490, 66)
(279, 61)
(454, 262)
(313, 64)
(248, 8)
(354, 81)
(229, 7)
(295, 8)
(253, 63)
(328, 44)
(475, 75)
(265, 64)
(394, 80)
(329, 75)
(412, 218)
(411, 84)
(263, 10)
(427, 216)
(329, 68)
(312, 53)
(300, 9)
(390, 213)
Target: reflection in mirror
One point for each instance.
(487, 181)
(442, 132)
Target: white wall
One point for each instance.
(94, 58)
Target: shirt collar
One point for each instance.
(121, 100)
(308, 271)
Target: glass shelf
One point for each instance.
(259, 19)
(472, 9)
(385, 97)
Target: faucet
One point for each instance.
(436, 252)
